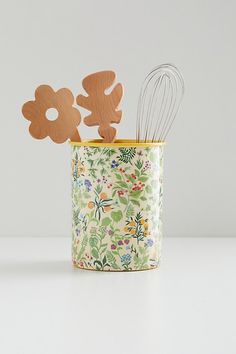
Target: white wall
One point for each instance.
(60, 42)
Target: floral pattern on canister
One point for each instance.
(117, 207)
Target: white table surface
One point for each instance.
(186, 307)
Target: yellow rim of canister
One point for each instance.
(118, 143)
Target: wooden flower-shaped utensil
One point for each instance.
(103, 107)
(64, 126)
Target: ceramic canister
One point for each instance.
(117, 205)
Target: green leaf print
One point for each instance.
(148, 189)
(76, 216)
(143, 178)
(139, 164)
(135, 202)
(116, 215)
(127, 154)
(106, 221)
(93, 172)
(104, 261)
(136, 194)
(123, 200)
(109, 152)
(99, 263)
(118, 176)
(96, 150)
(83, 247)
(122, 184)
(130, 211)
(101, 162)
(95, 253)
(103, 248)
(98, 189)
(143, 198)
(93, 241)
(103, 171)
(111, 259)
(90, 162)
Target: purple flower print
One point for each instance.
(114, 164)
(88, 185)
(126, 241)
(147, 165)
(113, 247)
(110, 232)
(150, 242)
(120, 243)
(104, 179)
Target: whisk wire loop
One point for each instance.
(159, 101)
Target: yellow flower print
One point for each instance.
(101, 203)
(81, 168)
(78, 168)
(90, 205)
(107, 208)
(132, 223)
(103, 196)
(137, 227)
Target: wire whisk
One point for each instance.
(159, 101)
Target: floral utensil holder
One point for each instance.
(117, 205)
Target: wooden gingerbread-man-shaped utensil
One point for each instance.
(103, 107)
